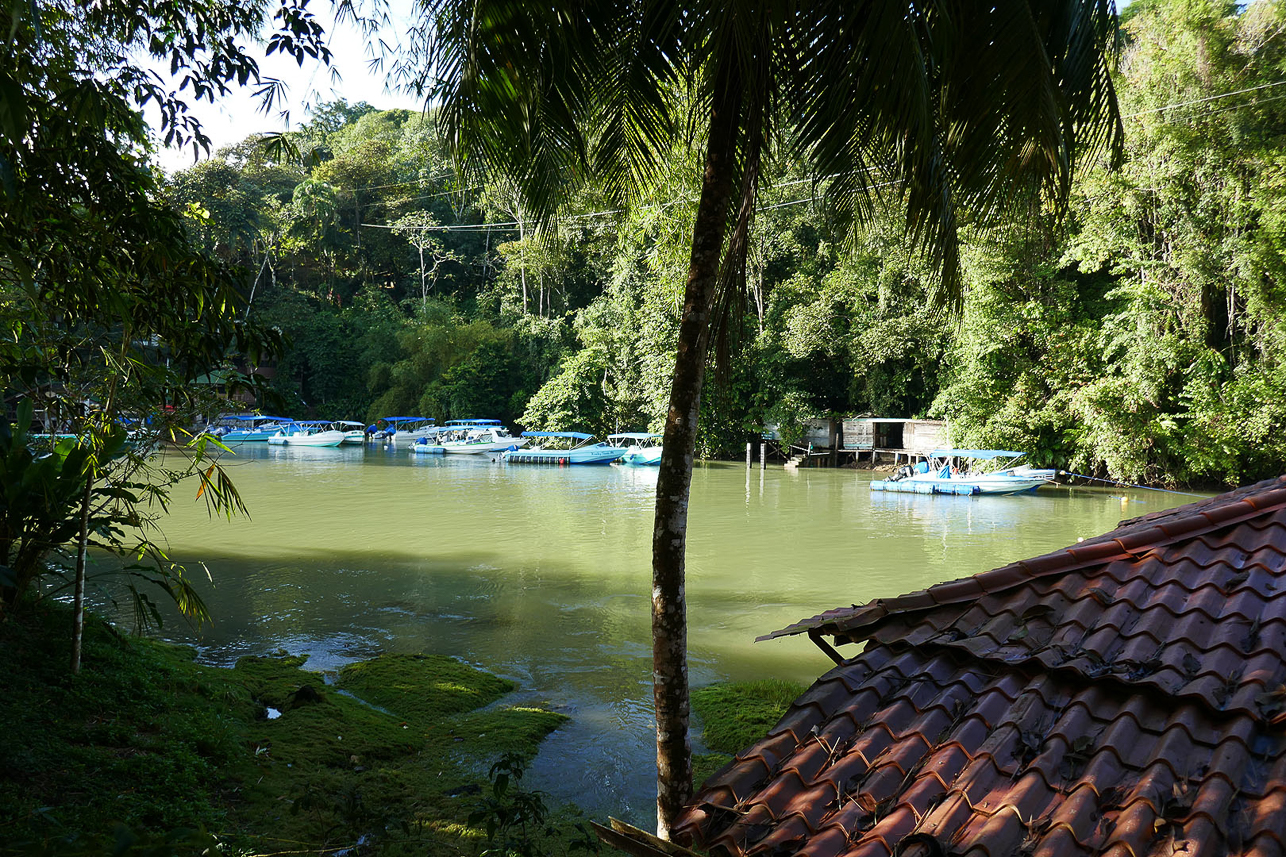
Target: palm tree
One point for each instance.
(953, 110)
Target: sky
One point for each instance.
(236, 116)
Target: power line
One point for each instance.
(1204, 100)
(513, 224)
(399, 184)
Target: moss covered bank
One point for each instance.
(147, 752)
(146, 745)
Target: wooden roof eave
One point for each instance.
(638, 843)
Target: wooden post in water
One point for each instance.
(763, 455)
(749, 447)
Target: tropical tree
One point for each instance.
(109, 309)
(954, 112)
(417, 228)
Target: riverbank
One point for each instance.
(146, 745)
(396, 755)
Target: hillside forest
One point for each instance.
(1140, 338)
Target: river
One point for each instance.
(542, 575)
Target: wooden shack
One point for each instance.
(879, 439)
(891, 436)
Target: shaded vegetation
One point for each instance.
(393, 756)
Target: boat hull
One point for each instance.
(994, 484)
(321, 438)
(485, 447)
(601, 454)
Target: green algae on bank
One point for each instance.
(734, 715)
(389, 756)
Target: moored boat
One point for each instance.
(432, 444)
(308, 433)
(354, 432)
(405, 429)
(475, 437)
(641, 448)
(583, 452)
(242, 428)
(959, 471)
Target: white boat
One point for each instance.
(311, 433)
(405, 429)
(583, 452)
(432, 444)
(488, 438)
(354, 432)
(957, 471)
(641, 448)
(1048, 473)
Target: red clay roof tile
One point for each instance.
(1120, 696)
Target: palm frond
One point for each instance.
(968, 113)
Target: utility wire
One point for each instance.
(1204, 100)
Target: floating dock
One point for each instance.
(914, 487)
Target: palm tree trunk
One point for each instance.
(674, 481)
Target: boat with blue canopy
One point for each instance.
(405, 429)
(965, 472)
(431, 443)
(471, 423)
(564, 447)
(241, 428)
(642, 448)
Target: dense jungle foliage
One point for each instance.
(1142, 338)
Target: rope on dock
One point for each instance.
(1127, 484)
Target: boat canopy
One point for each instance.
(579, 435)
(407, 419)
(348, 423)
(634, 435)
(983, 454)
(249, 417)
(466, 423)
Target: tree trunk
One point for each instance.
(82, 544)
(424, 290)
(674, 481)
(522, 261)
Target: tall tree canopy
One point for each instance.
(952, 112)
(108, 310)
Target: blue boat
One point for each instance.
(583, 452)
(241, 428)
(960, 471)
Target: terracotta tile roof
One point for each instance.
(1123, 696)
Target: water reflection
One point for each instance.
(542, 575)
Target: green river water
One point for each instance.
(542, 575)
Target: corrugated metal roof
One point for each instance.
(1123, 696)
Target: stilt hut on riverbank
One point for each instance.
(834, 441)
(1123, 696)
